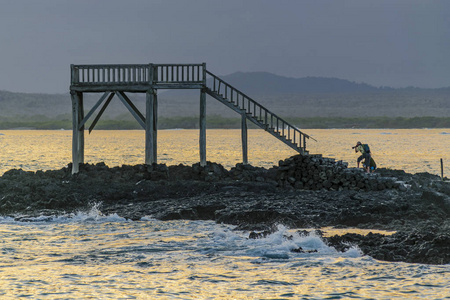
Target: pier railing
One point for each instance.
(110, 74)
(176, 73)
(159, 75)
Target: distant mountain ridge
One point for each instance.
(268, 83)
(288, 97)
(265, 83)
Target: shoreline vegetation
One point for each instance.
(219, 122)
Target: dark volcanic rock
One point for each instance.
(302, 192)
(426, 245)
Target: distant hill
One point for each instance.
(268, 83)
(321, 97)
(57, 106)
(264, 83)
(289, 97)
(12, 104)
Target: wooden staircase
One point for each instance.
(114, 80)
(256, 113)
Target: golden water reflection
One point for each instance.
(191, 260)
(414, 150)
(331, 231)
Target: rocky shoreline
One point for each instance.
(301, 192)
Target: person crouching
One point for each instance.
(365, 154)
(373, 165)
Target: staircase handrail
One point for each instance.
(254, 103)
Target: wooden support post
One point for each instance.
(81, 129)
(244, 139)
(75, 132)
(155, 126)
(78, 132)
(202, 128)
(442, 169)
(151, 128)
(204, 73)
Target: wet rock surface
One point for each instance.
(416, 206)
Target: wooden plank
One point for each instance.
(75, 162)
(148, 128)
(107, 87)
(202, 128)
(177, 85)
(133, 110)
(151, 128)
(204, 74)
(102, 110)
(93, 109)
(155, 126)
(74, 74)
(244, 139)
(81, 130)
(132, 105)
(138, 87)
(78, 133)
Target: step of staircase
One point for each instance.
(253, 111)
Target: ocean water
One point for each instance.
(88, 255)
(91, 256)
(412, 150)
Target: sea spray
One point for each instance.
(90, 255)
(90, 214)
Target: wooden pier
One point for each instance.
(116, 80)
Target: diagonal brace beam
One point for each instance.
(100, 113)
(92, 110)
(133, 109)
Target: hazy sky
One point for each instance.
(380, 42)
